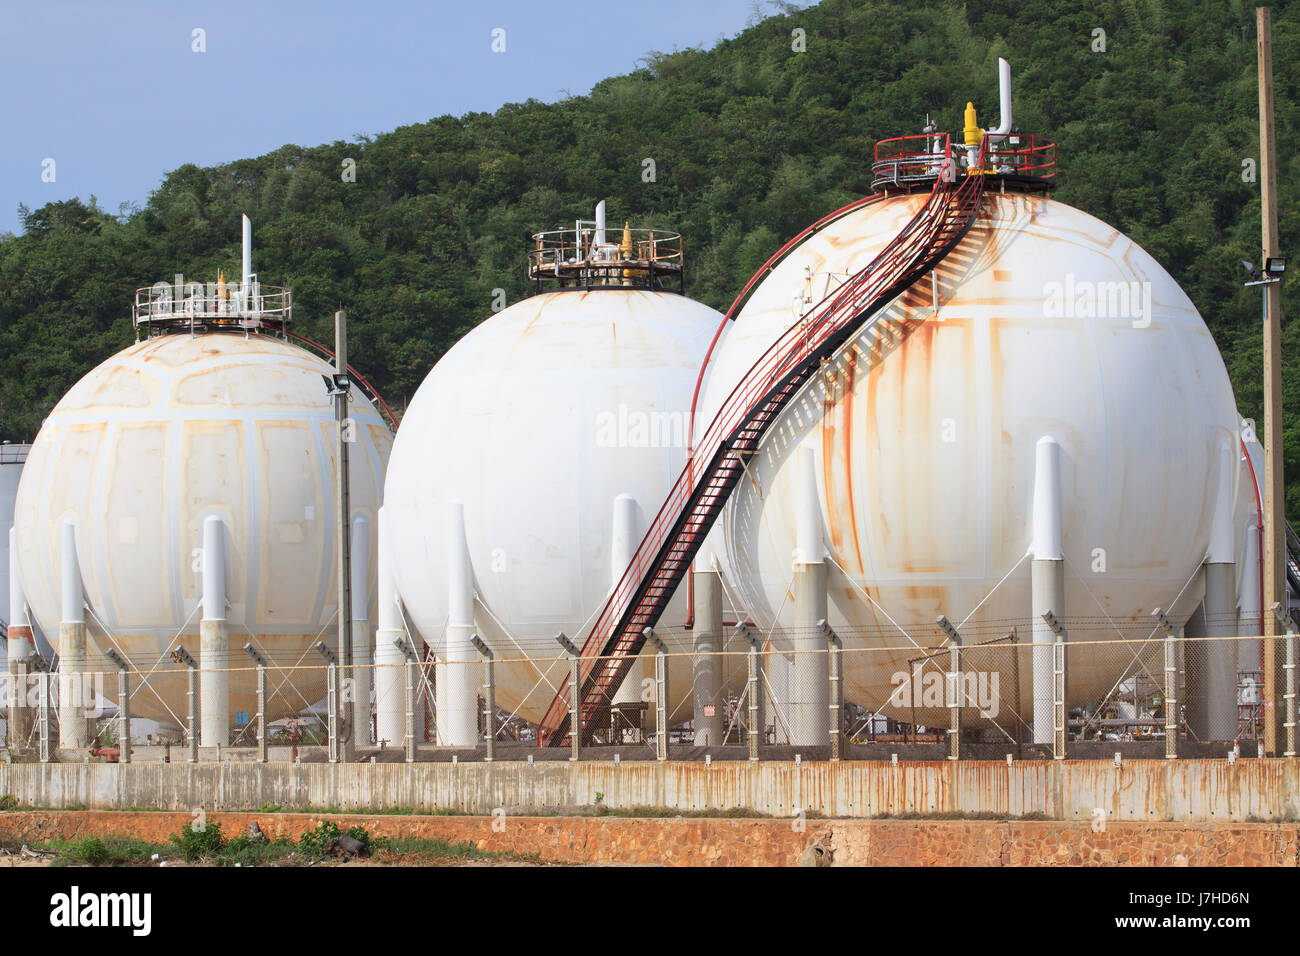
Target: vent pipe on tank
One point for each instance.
(1004, 97)
(600, 224)
(247, 249)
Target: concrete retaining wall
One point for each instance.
(1139, 790)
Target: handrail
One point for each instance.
(677, 531)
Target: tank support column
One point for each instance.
(706, 643)
(21, 650)
(390, 660)
(1220, 657)
(1047, 580)
(214, 639)
(809, 682)
(457, 668)
(622, 549)
(362, 645)
(76, 697)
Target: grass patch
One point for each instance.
(387, 848)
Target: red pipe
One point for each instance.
(353, 372)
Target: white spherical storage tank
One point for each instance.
(226, 430)
(1043, 323)
(524, 473)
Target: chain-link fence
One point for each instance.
(809, 691)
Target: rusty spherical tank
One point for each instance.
(543, 424)
(1043, 321)
(140, 451)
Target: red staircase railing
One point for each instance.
(665, 554)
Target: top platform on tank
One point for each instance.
(166, 308)
(1009, 160)
(583, 258)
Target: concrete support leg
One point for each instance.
(21, 648)
(1047, 580)
(623, 544)
(706, 665)
(809, 668)
(1048, 594)
(74, 691)
(214, 640)
(1250, 621)
(1211, 666)
(1216, 669)
(457, 673)
(362, 643)
(390, 661)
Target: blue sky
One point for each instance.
(114, 93)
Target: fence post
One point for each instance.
(332, 696)
(123, 707)
(489, 698)
(182, 656)
(1289, 668)
(955, 688)
(1058, 687)
(43, 712)
(251, 651)
(261, 714)
(332, 704)
(408, 671)
(834, 669)
(1170, 685)
(754, 728)
(409, 737)
(575, 693)
(661, 694)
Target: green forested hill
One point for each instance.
(751, 141)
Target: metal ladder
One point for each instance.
(665, 554)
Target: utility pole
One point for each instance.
(343, 531)
(1274, 495)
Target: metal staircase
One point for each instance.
(665, 554)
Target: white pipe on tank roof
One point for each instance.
(600, 224)
(247, 250)
(1004, 97)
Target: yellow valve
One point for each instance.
(973, 132)
(626, 249)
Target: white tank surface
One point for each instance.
(12, 457)
(159, 437)
(532, 430)
(1048, 322)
